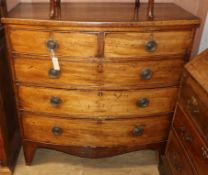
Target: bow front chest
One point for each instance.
(100, 79)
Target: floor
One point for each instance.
(53, 163)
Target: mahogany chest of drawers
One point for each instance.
(113, 84)
(187, 150)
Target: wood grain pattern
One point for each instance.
(133, 44)
(192, 141)
(178, 162)
(101, 51)
(194, 102)
(197, 68)
(99, 74)
(97, 104)
(75, 44)
(95, 133)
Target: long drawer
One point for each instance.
(192, 141)
(147, 44)
(85, 103)
(194, 101)
(77, 44)
(95, 133)
(117, 75)
(177, 160)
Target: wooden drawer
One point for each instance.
(85, 103)
(118, 75)
(75, 44)
(135, 44)
(95, 133)
(192, 141)
(178, 162)
(194, 101)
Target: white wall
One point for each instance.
(204, 41)
(11, 4)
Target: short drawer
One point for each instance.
(85, 103)
(192, 141)
(117, 75)
(95, 133)
(194, 101)
(147, 44)
(77, 44)
(178, 162)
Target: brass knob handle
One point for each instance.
(146, 74)
(187, 138)
(138, 131)
(52, 73)
(176, 163)
(193, 105)
(204, 153)
(143, 102)
(151, 46)
(57, 131)
(55, 101)
(51, 44)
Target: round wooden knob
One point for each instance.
(151, 46)
(138, 131)
(52, 73)
(55, 101)
(143, 102)
(57, 131)
(51, 44)
(146, 74)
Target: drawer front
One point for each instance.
(192, 141)
(194, 101)
(69, 43)
(96, 74)
(95, 133)
(87, 103)
(147, 44)
(178, 162)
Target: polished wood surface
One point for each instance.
(101, 14)
(192, 141)
(98, 74)
(97, 104)
(194, 101)
(133, 44)
(74, 44)
(191, 117)
(115, 44)
(197, 68)
(102, 50)
(178, 162)
(95, 133)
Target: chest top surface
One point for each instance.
(101, 14)
(198, 68)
